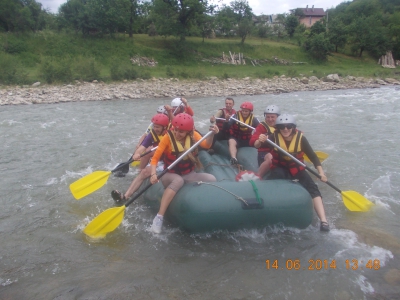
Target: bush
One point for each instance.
(11, 71)
(56, 71)
(87, 69)
(14, 46)
(170, 72)
(120, 71)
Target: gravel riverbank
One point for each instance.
(173, 87)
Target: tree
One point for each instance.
(291, 22)
(173, 17)
(337, 34)
(368, 33)
(237, 16)
(318, 46)
(21, 15)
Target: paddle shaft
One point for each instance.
(131, 160)
(169, 168)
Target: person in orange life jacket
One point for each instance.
(171, 146)
(239, 135)
(265, 128)
(294, 142)
(160, 125)
(223, 113)
(183, 105)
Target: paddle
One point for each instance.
(110, 219)
(352, 200)
(321, 155)
(93, 181)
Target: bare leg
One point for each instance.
(137, 182)
(265, 166)
(145, 159)
(319, 208)
(166, 199)
(232, 148)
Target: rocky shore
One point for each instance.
(173, 87)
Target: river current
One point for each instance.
(45, 255)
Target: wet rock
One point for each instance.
(304, 80)
(381, 82)
(36, 84)
(392, 81)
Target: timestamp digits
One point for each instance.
(321, 264)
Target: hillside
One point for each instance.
(53, 57)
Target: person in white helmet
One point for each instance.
(294, 142)
(178, 105)
(271, 113)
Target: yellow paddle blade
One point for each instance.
(355, 201)
(135, 163)
(321, 155)
(88, 184)
(105, 222)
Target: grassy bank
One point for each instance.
(62, 58)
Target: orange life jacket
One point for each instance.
(185, 166)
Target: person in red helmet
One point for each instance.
(172, 145)
(239, 134)
(160, 125)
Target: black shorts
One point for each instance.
(302, 176)
(261, 156)
(241, 143)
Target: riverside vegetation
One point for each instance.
(72, 60)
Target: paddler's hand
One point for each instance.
(214, 129)
(153, 178)
(227, 116)
(212, 119)
(184, 101)
(136, 156)
(262, 138)
(323, 177)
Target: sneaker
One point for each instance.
(157, 224)
(324, 226)
(234, 161)
(118, 197)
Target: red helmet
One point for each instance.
(183, 122)
(160, 119)
(247, 105)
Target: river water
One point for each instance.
(45, 255)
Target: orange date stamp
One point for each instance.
(322, 264)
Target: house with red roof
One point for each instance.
(311, 15)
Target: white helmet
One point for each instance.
(286, 119)
(272, 109)
(161, 109)
(176, 102)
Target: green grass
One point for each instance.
(62, 58)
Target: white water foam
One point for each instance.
(353, 249)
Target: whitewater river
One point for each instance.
(45, 255)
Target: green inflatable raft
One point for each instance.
(231, 205)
